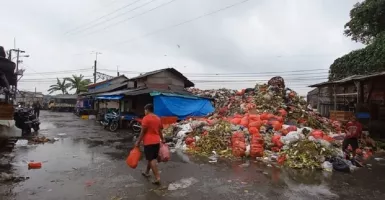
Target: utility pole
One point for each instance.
(95, 64)
(18, 51)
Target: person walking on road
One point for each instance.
(151, 135)
(36, 109)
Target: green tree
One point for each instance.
(59, 86)
(367, 60)
(78, 83)
(367, 21)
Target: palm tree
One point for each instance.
(59, 86)
(78, 83)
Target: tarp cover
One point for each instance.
(110, 97)
(181, 107)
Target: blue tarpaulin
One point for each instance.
(110, 97)
(181, 107)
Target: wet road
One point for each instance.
(89, 163)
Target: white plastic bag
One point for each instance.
(292, 137)
(327, 166)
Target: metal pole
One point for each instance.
(95, 71)
(17, 69)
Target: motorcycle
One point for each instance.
(111, 120)
(26, 120)
(136, 124)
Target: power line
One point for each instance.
(182, 23)
(310, 71)
(95, 20)
(125, 20)
(58, 72)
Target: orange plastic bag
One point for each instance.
(253, 130)
(133, 158)
(164, 153)
(256, 124)
(34, 165)
(317, 134)
(276, 140)
(236, 121)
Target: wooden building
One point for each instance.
(363, 95)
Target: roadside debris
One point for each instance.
(34, 165)
(268, 123)
(182, 184)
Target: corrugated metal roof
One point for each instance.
(65, 96)
(348, 79)
(139, 91)
(188, 83)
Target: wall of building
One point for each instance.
(165, 77)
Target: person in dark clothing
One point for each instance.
(36, 109)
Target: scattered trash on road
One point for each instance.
(182, 184)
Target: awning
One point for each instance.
(110, 97)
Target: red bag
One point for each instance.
(133, 158)
(256, 124)
(253, 130)
(291, 128)
(164, 153)
(276, 140)
(317, 134)
(256, 146)
(236, 121)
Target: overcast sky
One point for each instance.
(247, 40)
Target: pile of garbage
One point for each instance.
(268, 122)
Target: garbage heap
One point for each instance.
(268, 122)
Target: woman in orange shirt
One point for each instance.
(151, 135)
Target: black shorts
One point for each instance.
(350, 141)
(151, 151)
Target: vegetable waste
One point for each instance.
(268, 122)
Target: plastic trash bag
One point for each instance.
(182, 184)
(292, 137)
(327, 166)
(340, 165)
(133, 158)
(164, 153)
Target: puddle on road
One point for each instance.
(59, 160)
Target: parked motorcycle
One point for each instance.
(26, 120)
(136, 124)
(111, 121)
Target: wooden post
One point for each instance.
(335, 97)
(319, 100)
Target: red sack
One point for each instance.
(281, 159)
(237, 136)
(164, 153)
(276, 140)
(256, 150)
(254, 117)
(256, 146)
(256, 124)
(282, 112)
(253, 130)
(236, 121)
(317, 134)
(189, 140)
(328, 138)
(133, 158)
(291, 128)
(239, 148)
(264, 116)
(244, 121)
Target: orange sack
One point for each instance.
(133, 158)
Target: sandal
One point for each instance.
(145, 175)
(156, 182)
